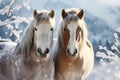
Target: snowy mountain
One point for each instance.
(110, 71)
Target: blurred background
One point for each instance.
(101, 16)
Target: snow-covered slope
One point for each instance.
(14, 18)
(110, 71)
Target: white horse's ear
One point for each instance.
(52, 14)
(34, 13)
(81, 14)
(64, 14)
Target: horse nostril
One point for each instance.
(39, 50)
(68, 51)
(46, 50)
(75, 51)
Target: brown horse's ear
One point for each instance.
(81, 14)
(64, 14)
(52, 14)
(34, 13)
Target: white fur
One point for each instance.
(73, 44)
(43, 36)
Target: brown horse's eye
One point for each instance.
(35, 29)
(64, 29)
(51, 29)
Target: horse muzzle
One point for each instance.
(43, 54)
(72, 54)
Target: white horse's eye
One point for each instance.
(51, 29)
(35, 29)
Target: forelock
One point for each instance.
(72, 15)
(43, 17)
(72, 11)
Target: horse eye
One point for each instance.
(65, 29)
(35, 29)
(51, 29)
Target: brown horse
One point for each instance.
(31, 58)
(74, 57)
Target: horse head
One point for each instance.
(73, 30)
(43, 31)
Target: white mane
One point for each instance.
(26, 41)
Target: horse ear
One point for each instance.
(64, 14)
(81, 14)
(34, 13)
(52, 14)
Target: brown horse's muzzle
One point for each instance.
(72, 54)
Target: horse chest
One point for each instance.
(45, 73)
(34, 72)
(69, 75)
(67, 70)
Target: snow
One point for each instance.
(7, 46)
(113, 52)
(115, 48)
(110, 55)
(13, 18)
(115, 35)
(118, 30)
(109, 71)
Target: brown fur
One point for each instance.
(73, 68)
(20, 62)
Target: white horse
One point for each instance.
(31, 58)
(74, 56)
